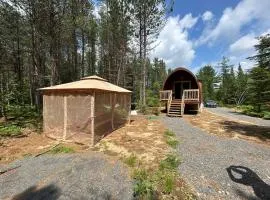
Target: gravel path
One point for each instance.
(230, 113)
(73, 176)
(206, 158)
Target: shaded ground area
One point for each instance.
(221, 167)
(222, 126)
(74, 176)
(236, 116)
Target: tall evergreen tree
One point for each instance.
(207, 75)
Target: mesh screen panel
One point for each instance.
(111, 112)
(103, 115)
(79, 118)
(53, 117)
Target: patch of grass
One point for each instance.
(171, 162)
(131, 160)
(169, 133)
(168, 182)
(170, 139)
(144, 187)
(266, 115)
(10, 130)
(152, 117)
(172, 142)
(62, 149)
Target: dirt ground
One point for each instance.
(143, 137)
(222, 126)
(28, 145)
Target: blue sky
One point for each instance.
(200, 32)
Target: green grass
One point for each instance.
(172, 142)
(171, 162)
(62, 149)
(10, 130)
(149, 183)
(144, 186)
(131, 160)
(250, 111)
(169, 133)
(170, 139)
(18, 118)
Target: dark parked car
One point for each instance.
(210, 104)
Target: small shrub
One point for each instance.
(266, 115)
(10, 130)
(171, 162)
(143, 185)
(131, 160)
(62, 149)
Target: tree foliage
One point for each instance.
(48, 42)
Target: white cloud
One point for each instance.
(244, 44)
(234, 19)
(207, 16)
(187, 21)
(174, 47)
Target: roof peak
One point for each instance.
(93, 77)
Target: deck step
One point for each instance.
(176, 108)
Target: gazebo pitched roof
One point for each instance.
(88, 83)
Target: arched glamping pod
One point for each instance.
(182, 92)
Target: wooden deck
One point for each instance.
(176, 107)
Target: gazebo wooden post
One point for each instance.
(65, 118)
(112, 99)
(129, 108)
(92, 115)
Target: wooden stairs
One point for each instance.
(176, 108)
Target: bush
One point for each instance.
(143, 185)
(10, 130)
(266, 115)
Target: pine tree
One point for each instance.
(207, 75)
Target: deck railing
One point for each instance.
(165, 95)
(191, 95)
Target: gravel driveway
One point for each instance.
(230, 113)
(73, 176)
(221, 168)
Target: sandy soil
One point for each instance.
(144, 138)
(28, 145)
(232, 128)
